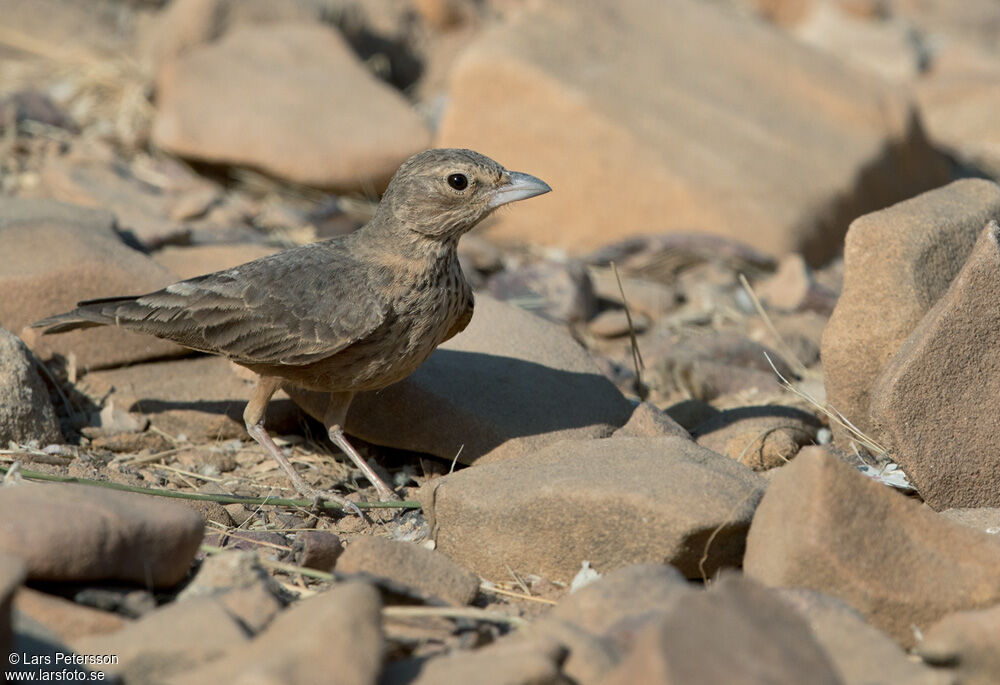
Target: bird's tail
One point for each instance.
(88, 314)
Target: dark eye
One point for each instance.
(458, 181)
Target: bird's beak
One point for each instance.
(518, 187)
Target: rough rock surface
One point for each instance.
(621, 597)
(968, 641)
(200, 398)
(713, 149)
(56, 255)
(499, 664)
(759, 437)
(933, 404)
(176, 638)
(822, 525)
(26, 412)
(861, 653)
(611, 502)
(508, 385)
(428, 572)
(67, 620)
(290, 99)
(647, 421)
(897, 263)
(714, 637)
(307, 643)
(81, 533)
(12, 574)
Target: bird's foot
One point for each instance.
(320, 496)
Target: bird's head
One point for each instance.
(444, 193)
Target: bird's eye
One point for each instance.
(458, 181)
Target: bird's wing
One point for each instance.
(295, 307)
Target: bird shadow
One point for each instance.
(477, 402)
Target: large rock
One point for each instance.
(56, 255)
(177, 637)
(861, 653)
(768, 140)
(26, 413)
(290, 99)
(823, 525)
(65, 619)
(335, 635)
(715, 637)
(957, 100)
(898, 262)
(11, 576)
(424, 572)
(933, 404)
(83, 533)
(202, 399)
(508, 385)
(611, 502)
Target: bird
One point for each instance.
(340, 316)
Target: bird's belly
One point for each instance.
(387, 356)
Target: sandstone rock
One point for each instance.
(290, 99)
(793, 287)
(710, 366)
(986, 519)
(241, 585)
(931, 403)
(201, 398)
(186, 24)
(886, 46)
(824, 526)
(860, 653)
(643, 296)
(141, 210)
(956, 99)
(622, 597)
(968, 641)
(335, 632)
(611, 502)
(12, 574)
(66, 620)
(414, 568)
(56, 255)
(170, 640)
(508, 385)
(615, 323)
(649, 422)
(499, 664)
(713, 637)
(698, 153)
(898, 262)
(759, 437)
(560, 292)
(26, 413)
(82, 533)
(188, 262)
(318, 549)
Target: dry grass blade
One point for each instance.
(640, 388)
(786, 352)
(835, 416)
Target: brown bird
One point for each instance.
(353, 313)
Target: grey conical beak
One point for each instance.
(518, 187)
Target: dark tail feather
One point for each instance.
(88, 314)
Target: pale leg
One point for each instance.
(334, 421)
(253, 416)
